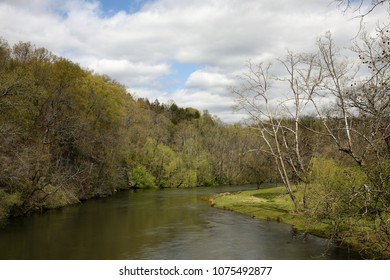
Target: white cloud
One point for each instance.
(134, 74)
(202, 100)
(204, 80)
(139, 49)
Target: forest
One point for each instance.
(68, 134)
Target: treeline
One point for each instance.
(67, 134)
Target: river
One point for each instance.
(157, 224)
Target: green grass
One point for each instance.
(272, 204)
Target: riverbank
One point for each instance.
(273, 204)
(269, 203)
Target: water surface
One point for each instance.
(162, 224)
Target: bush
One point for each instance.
(7, 204)
(337, 189)
(141, 178)
(59, 197)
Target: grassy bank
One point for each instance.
(273, 204)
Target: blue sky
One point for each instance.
(179, 75)
(183, 50)
(130, 6)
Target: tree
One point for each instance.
(253, 97)
(357, 5)
(356, 120)
(359, 123)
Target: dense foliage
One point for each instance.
(67, 134)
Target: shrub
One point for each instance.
(141, 178)
(7, 204)
(337, 189)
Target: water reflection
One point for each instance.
(168, 224)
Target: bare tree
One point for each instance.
(370, 95)
(337, 75)
(304, 78)
(359, 123)
(357, 120)
(357, 6)
(268, 119)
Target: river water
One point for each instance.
(164, 224)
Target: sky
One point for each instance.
(182, 50)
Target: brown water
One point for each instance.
(162, 224)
